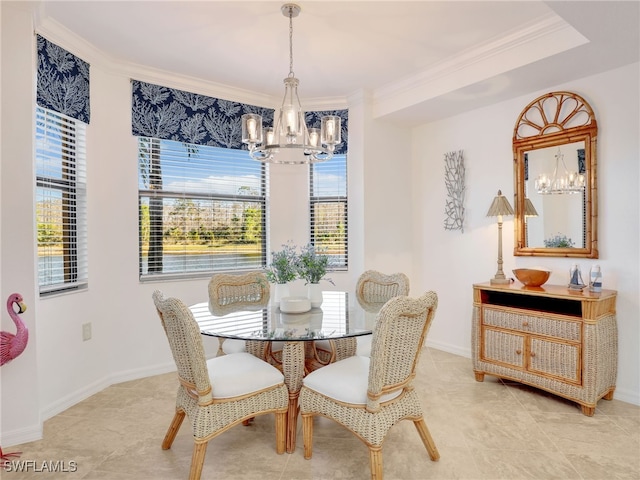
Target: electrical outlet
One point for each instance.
(86, 331)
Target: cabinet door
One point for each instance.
(499, 346)
(555, 359)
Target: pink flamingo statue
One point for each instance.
(13, 345)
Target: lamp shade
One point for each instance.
(500, 206)
(529, 209)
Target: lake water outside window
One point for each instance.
(202, 209)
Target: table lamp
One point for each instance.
(499, 207)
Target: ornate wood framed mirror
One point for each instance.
(556, 201)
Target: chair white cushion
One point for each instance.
(346, 381)
(231, 345)
(241, 373)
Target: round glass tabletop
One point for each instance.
(339, 316)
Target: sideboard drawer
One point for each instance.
(555, 326)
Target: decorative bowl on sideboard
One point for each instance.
(532, 277)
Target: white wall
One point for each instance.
(19, 379)
(450, 262)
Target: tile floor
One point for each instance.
(490, 430)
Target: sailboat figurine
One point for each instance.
(575, 282)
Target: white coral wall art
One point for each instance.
(454, 181)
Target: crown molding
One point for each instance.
(543, 37)
(60, 35)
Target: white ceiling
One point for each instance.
(418, 60)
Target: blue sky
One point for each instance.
(225, 171)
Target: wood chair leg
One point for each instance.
(307, 435)
(292, 421)
(429, 444)
(197, 460)
(375, 462)
(281, 432)
(173, 429)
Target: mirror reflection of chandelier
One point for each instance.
(290, 131)
(561, 181)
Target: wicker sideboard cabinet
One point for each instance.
(562, 341)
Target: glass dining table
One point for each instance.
(340, 317)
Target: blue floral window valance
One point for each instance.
(172, 114)
(63, 81)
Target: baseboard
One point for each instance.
(21, 435)
(137, 373)
(628, 396)
(449, 348)
(73, 398)
(33, 433)
(99, 385)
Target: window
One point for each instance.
(201, 209)
(60, 202)
(328, 209)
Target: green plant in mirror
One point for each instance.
(558, 241)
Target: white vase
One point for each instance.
(279, 291)
(315, 295)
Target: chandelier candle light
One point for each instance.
(560, 182)
(499, 207)
(290, 131)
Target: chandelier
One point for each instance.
(290, 130)
(561, 181)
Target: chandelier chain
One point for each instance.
(291, 74)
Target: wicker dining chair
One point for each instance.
(373, 290)
(219, 393)
(368, 395)
(229, 292)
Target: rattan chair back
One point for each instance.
(401, 330)
(185, 341)
(375, 288)
(229, 292)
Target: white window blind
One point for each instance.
(202, 209)
(328, 210)
(61, 212)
